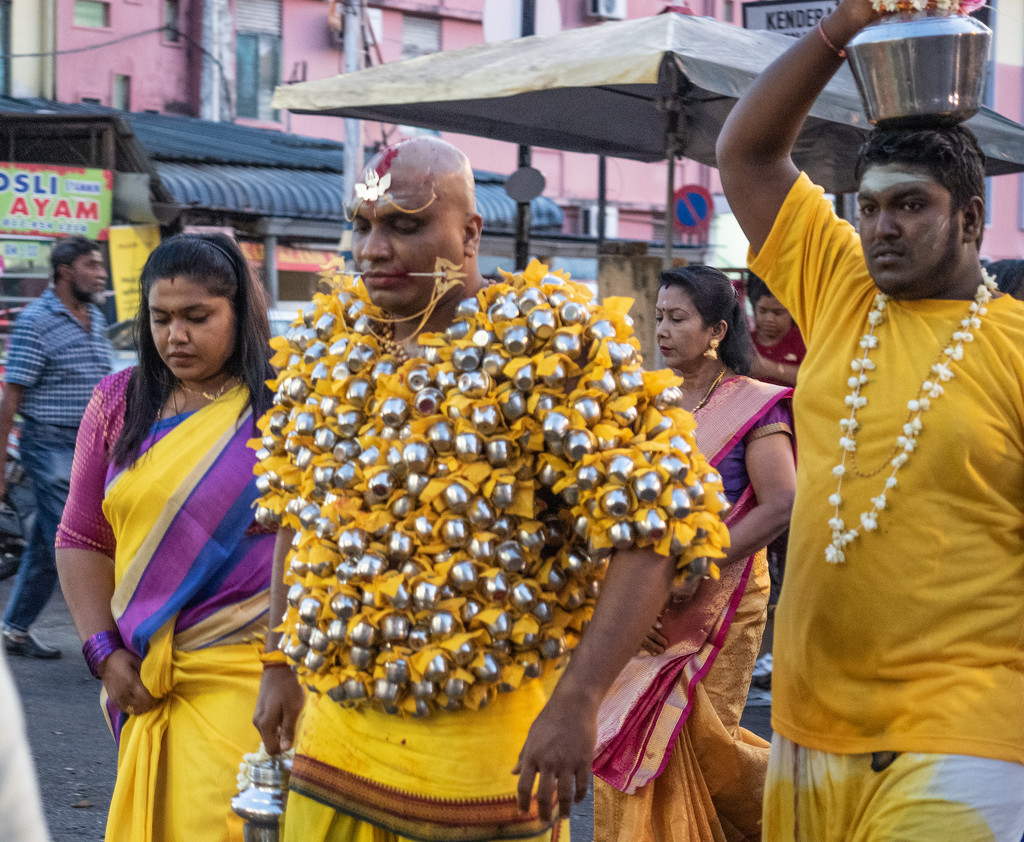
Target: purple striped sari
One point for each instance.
(190, 570)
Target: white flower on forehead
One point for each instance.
(906, 443)
(373, 186)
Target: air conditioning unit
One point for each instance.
(588, 221)
(607, 9)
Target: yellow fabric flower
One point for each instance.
(458, 545)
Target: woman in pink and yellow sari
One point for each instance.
(672, 763)
(161, 565)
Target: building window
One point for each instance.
(709, 8)
(257, 73)
(5, 47)
(420, 36)
(95, 13)
(121, 95)
(728, 11)
(172, 10)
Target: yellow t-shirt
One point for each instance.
(916, 642)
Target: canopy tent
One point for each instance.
(647, 89)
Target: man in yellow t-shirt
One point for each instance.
(899, 643)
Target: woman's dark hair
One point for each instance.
(715, 298)
(214, 262)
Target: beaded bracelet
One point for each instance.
(99, 647)
(839, 51)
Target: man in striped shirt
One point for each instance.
(57, 353)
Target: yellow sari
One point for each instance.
(191, 596)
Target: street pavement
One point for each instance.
(74, 752)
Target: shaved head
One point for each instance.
(416, 211)
(429, 165)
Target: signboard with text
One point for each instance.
(25, 258)
(48, 201)
(130, 245)
(789, 17)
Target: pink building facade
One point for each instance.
(230, 68)
(115, 53)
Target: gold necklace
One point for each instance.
(211, 396)
(392, 346)
(711, 388)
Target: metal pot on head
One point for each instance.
(924, 67)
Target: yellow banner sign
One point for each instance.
(130, 246)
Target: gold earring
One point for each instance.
(712, 352)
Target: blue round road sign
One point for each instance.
(694, 208)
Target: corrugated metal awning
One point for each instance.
(305, 194)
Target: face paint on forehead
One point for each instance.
(880, 178)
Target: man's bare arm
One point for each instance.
(755, 145)
(560, 746)
(280, 700)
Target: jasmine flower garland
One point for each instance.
(906, 443)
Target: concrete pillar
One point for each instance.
(270, 267)
(636, 277)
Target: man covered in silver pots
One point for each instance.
(456, 470)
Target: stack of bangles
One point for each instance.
(99, 647)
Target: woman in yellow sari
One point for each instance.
(164, 572)
(672, 762)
